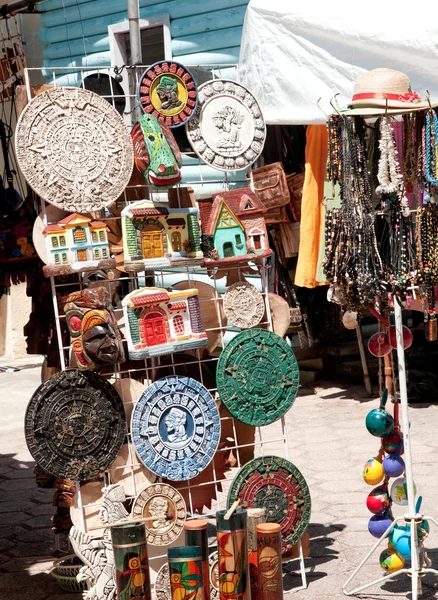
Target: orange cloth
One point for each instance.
(311, 208)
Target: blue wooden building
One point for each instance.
(94, 33)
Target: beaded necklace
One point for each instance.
(428, 251)
(431, 143)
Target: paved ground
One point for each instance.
(328, 443)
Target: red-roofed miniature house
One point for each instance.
(76, 243)
(159, 322)
(233, 227)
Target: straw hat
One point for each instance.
(386, 88)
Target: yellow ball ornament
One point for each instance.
(373, 472)
(390, 561)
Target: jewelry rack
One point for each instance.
(270, 439)
(413, 517)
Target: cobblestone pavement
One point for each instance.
(328, 443)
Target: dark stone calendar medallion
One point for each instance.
(158, 500)
(74, 149)
(275, 484)
(257, 377)
(75, 425)
(176, 428)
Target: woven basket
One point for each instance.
(64, 570)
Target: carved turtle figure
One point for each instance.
(157, 155)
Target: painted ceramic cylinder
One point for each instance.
(256, 516)
(233, 555)
(185, 572)
(131, 561)
(269, 558)
(196, 535)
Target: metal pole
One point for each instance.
(136, 57)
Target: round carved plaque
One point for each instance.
(257, 377)
(75, 425)
(227, 130)
(176, 428)
(163, 590)
(243, 305)
(213, 561)
(74, 149)
(168, 91)
(156, 500)
(275, 484)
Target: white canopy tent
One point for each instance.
(293, 53)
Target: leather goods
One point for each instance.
(295, 183)
(270, 185)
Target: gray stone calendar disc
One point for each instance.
(75, 425)
(74, 149)
(175, 428)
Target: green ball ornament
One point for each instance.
(378, 422)
(390, 561)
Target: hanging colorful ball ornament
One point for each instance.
(379, 344)
(378, 524)
(407, 337)
(399, 493)
(378, 500)
(373, 472)
(396, 533)
(393, 465)
(392, 442)
(403, 545)
(390, 561)
(378, 421)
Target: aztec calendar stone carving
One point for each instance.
(163, 590)
(74, 149)
(275, 484)
(243, 305)
(168, 506)
(176, 428)
(213, 561)
(257, 377)
(227, 130)
(75, 425)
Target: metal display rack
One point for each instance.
(270, 439)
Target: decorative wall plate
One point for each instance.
(257, 377)
(175, 428)
(227, 130)
(156, 500)
(244, 305)
(163, 590)
(74, 149)
(75, 425)
(276, 484)
(168, 91)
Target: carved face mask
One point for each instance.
(96, 338)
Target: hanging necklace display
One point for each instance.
(257, 377)
(244, 306)
(75, 425)
(276, 484)
(167, 505)
(228, 131)
(428, 255)
(74, 149)
(176, 428)
(167, 90)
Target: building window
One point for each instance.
(96, 253)
(102, 236)
(54, 242)
(56, 256)
(178, 324)
(62, 240)
(64, 257)
(94, 236)
(257, 242)
(239, 242)
(79, 234)
(104, 253)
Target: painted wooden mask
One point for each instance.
(95, 336)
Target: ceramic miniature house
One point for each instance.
(160, 322)
(157, 235)
(76, 243)
(233, 227)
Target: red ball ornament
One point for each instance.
(392, 442)
(378, 500)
